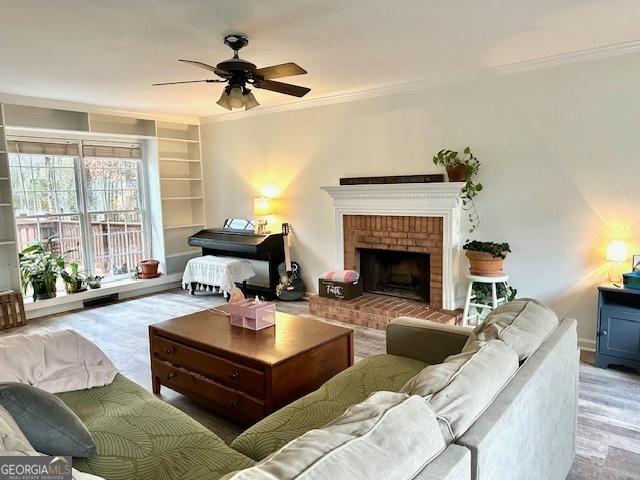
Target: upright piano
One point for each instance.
(231, 241)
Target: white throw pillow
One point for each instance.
(389, 435)
(523, 324)
(464, 385)
(56, 362)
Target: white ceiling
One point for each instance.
(108, 52)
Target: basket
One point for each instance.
(339, 290)
(11, 310)
(252, 315)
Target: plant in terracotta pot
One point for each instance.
(40, 268)
(148, 268)
(486, 258)
(462, 169)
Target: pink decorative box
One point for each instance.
(252, 315)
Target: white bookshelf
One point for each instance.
(9, 274)
(181, 189)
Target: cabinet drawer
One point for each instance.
(224, 371)
(619, 334)
(186, 382)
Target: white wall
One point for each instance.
(559, 147)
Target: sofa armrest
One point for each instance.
(424, 340)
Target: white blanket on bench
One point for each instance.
(56, 362)
(221, 272)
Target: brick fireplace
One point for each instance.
(402, 234)
(405, 241)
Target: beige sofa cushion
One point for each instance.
(464, 385)
(368, 441)
(522, 324)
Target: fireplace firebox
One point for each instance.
(395, 273)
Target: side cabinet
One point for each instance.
(618, 332)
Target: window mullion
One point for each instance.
(85, 218)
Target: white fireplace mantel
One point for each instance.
(413, 199)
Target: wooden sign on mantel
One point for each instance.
(393, 179)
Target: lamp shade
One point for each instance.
(235, 97)
(617, 251)
(262, 206)
(224, 100)
(249, 101)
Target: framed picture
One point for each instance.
(636, 263)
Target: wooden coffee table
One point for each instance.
(241, 373)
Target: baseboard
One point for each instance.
(587, 345)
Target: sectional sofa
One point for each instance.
(444, 403)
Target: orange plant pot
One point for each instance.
(149, 268)
(484, 264)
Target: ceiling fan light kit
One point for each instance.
(239, 73)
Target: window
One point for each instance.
(85, 196)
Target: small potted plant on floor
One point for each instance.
(74, 281)
(40, 269)
(486, 258)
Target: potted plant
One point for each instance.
(462, 169)
(94, 281)
(40, 269)
(148, 268)
(484, 294)
(74, 281)
(486, 258)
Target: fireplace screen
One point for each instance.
(399, 274)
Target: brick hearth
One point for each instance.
(376, 311)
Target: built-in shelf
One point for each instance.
(176, 159)
(181, 198)
(7, 242)
(182, 140)
(183, 253)
(176, 227)
(176, 179)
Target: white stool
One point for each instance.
(495, 301)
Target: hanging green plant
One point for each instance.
(462, 169)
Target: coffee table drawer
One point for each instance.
(225, 371)
(233, 401)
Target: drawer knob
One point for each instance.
(234, 403)
(234, 376)
(171, 375)
(171, 350)
(602, 333)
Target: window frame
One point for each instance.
(82, 193)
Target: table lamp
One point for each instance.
(262, 207)
(616, 253)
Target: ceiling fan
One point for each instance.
(238, 73)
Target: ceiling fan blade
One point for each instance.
(278, 71)
(211, 68)
(187, 81)
(282, 87)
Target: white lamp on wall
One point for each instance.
(616, 253)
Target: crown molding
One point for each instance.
(419, 85)
(85, 107)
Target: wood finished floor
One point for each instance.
(608, 446)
